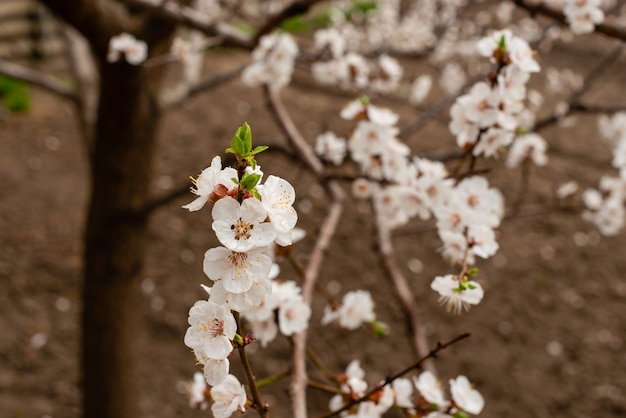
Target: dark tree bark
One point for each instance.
(115, 232)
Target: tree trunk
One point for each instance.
(115, 238)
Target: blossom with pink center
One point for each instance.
(211, 329)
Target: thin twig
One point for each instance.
(573, 104)
(254, 389)
(38, 79)
(327, 231)
(401, 286)
(210, 83)
(417, 365)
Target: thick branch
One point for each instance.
(39, 79)
(292, 9)
(177, 13)
(97, 20)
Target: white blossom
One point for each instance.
(465, 397)
(212, 183)
(456, 296)
(134, 51)
(241, 227)
(228, 397)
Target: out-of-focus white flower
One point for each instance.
(330, 39)
(357, 307)
(403, 391)
(465, 397)
(530, 146)
(134, 51)
(420, 89)
(567, 190)
(228, 397)
(196, 391)
(241, 227)
(583, 15)
(273, 62)
(293, 316)
(331, 147)
(212, 184)
(430, 388)
(277, 197)
(457, 296)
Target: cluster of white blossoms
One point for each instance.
(272, 62)
(485, 120)
(351, 69)
(421, 396)
(605, 207)
(583, 15)
(285, 305)
(249, 219)
(133, 50)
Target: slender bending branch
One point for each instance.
(417, 365)
(329, 225)
(400, 284)
(39, 79)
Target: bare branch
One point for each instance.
(329, 225)
(401, 286)
(39, 79)
(417, 365)
(573, 104)
(177, 13)
(292, 9)
(173, 100)
(540, 8)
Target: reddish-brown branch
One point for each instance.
(327, 231)
(401, 286)
(417, 365)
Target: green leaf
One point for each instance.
(473, 272)
(244, 133)
(460, 414)
(471, 286)
(249, 181)
(259, 149)
(237, 147)
(502, 43)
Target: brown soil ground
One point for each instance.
(547, 341)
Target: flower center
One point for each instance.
(216, 327)
(242, 229)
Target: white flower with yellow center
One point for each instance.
(241, 227)
(236, 271)
(211, 329)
